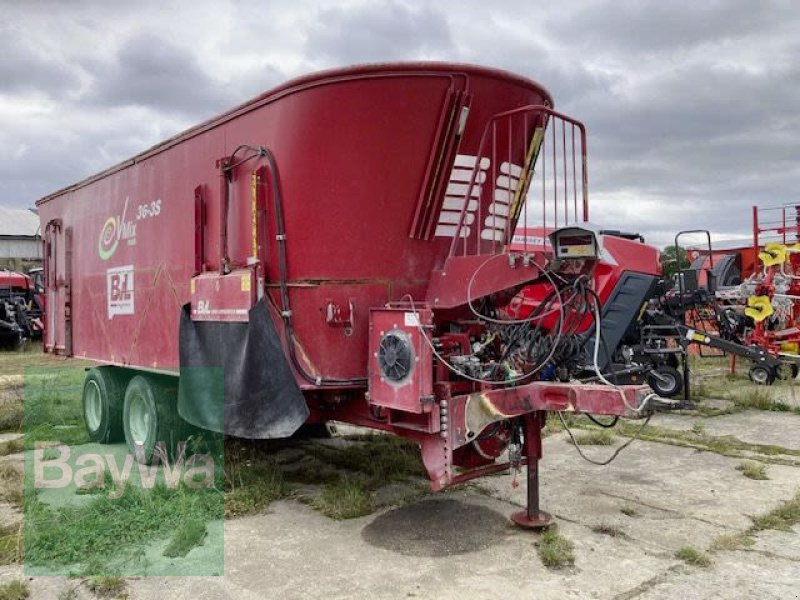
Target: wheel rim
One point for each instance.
(139, 420)
(760, 375)
(666, 383)
(93, 406)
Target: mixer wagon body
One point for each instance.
(322, 245)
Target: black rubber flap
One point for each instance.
(235, 378)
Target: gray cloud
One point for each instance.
(152, 72)
(28, 67)
(691, 107)
(652, 27)
(377, 31)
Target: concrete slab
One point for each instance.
(788, 394)
(783, 544)
(454, 545)
(752, 426)
(734, 576)
(681, 496)
(459, 544)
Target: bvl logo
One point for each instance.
(119, 290)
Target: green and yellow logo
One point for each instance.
(114, 230)
(109, 239)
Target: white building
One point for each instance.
(20, 236)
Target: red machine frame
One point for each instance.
(345, 205)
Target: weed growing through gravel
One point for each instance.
(731, 542)
(781, 518)
(11, 546)
(759, 399)
(345, 499)
(753, 470)
(693, 556)
(253, 479)
(70, 593)
(628, 510)
(609, 529)
(380, 459)
(595, 437)
(724, 445)
(14, 590)
(11, 484)
(554, 549)
(109, 586)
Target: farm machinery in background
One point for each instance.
(744, 303)
(650, 324)
(20, 309)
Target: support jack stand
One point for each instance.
(532, 517)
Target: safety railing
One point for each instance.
(779, 224)
(530, 171)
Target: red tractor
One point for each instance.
(20, 309)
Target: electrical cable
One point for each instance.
(599, 423)
(458, 371)
(614, 455)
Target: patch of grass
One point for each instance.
(345, 499)
(108, 586)
(253, 479)
(91, 534)
(698, 429)
(628, 510)
(11, 545)
(555, 551)
(52, 402)
(781, 518)
(553, 423)
(70, 593)
(380, 460)
(759, 398)
(610, 529)
(724, 445)
(12, 447)
(753, 470)
(15, 589)
(595, 437)
(318, 474)
(731, 542)
(700, 391)
(693, 556)
(11, 485)
(188, 535)
(12, 411)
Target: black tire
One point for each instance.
(150, 412)
(762, 375)
(103, 396)
(672, 361)
(672, 382)
(786, 371)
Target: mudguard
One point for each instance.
(235, 378)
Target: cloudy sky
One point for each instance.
(692, 108)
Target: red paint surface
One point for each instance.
(353, 148)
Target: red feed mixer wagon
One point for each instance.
(334, 249)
